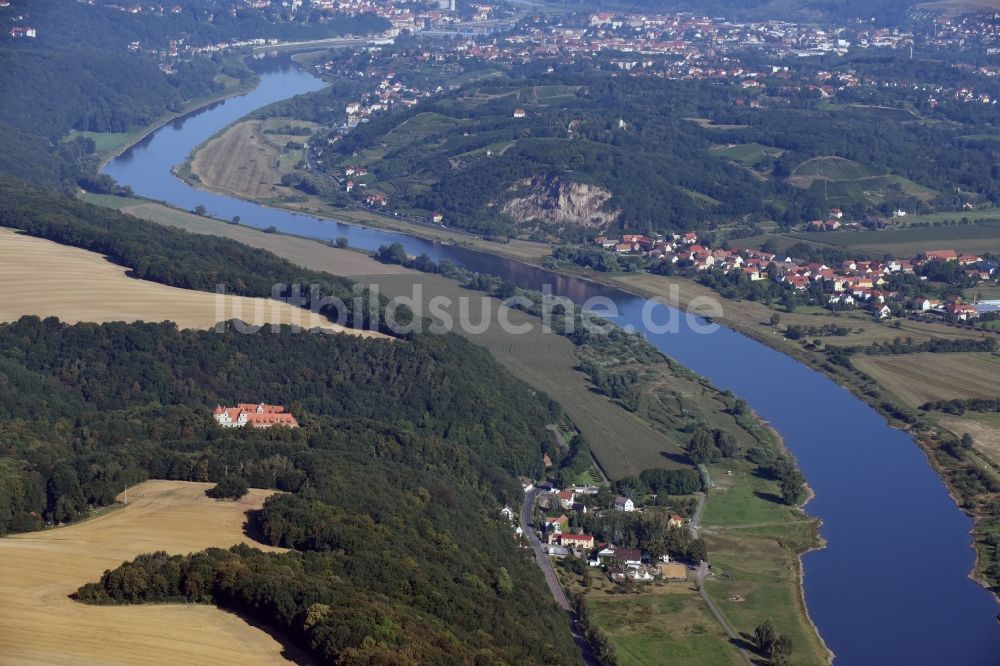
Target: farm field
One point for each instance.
(843, 182)
(977, 238)
(760, 581)
(46, 279)
(744, 498)
(980, 236)
(984, 428)
(657, 628)
(42, 625)
(754, 540)
(919, 378)
(830, 168)
(244, 161)
(748, 154)
(956, 216)
(105, 142)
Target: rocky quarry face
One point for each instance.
(559, 201)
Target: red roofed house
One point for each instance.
(627, 556)
(258, 416)
(962, 311)
(556, 525)
(577, 541)
(943, 255)
(566, 498)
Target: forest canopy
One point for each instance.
(395, 478)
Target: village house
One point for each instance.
(566, 498)
(556, 525)
(962, 311)
(675, 520)
(624, 504)
(576, 541)
(257, 416)
(943, 255)
(627, 556)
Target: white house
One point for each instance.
(624, 504)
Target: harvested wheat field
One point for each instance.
(40, 624)
(919, 378)
(42, 278)
(244, 145)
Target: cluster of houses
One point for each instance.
(852, 283)
(621, 563)
(256, 416)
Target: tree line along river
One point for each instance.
(891, 587)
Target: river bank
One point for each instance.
(549, 363)
(737, 317)
(191, 107)
(875, 492)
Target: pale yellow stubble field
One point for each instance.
(40, 624)
(43, 278)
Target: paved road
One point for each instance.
(543, 560)
(545, 564)
(702, 573)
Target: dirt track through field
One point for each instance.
(40, 277)
(40, 624)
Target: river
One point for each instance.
(892, 585)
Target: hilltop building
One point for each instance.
(257, 416)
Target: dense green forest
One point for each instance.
(47, 93)
(396, 478)
(175, 257)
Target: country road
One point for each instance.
(543, 560)
(550, 576)
(702, 572)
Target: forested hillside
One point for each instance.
(80, 74)
(465, 155)
(578, 151)
(396, 478)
